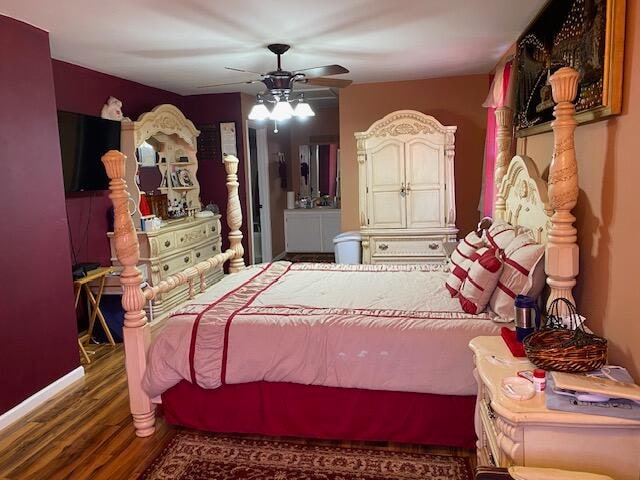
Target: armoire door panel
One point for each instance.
(425, 184)
(424, 208)
(424, 163)
(387, 165)
(386, 179)
(387, 210)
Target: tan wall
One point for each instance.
(608, 213)
(453, 101)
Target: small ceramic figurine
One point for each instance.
(112, 110)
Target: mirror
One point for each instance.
(149, 176)
(319, 170)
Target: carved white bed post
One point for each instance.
(234, 214)
(561, 260)
(504, 116)
(136, 332)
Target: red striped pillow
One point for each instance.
(466, 248)
(481, 281)
(457, 276)
(460, 261)
(521, 258)
(500, 234)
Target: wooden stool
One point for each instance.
(80, 284)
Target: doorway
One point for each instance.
(259, 202)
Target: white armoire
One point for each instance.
(407, 191)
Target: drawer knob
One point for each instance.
(204, 232)
(433, 246)
(167, 243)
(213, 229)
(383, 246)
(197, 254)
(213, 248)
(165, 267)
(186, 259)
(181, 239)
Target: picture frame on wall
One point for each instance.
(587, 35)
(228, 139)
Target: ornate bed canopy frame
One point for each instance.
(522, 199)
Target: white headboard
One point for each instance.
(526, 198)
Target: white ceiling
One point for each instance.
(179, 45)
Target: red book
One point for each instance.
(145, 209)
(509, 337)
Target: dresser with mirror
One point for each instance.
(162, 163)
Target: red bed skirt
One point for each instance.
(288, 409)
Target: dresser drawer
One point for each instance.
(488, 419)
(172, 265)
(191, 235)
(207, 250)
(166, 242)
(213, 229)
(407, 246)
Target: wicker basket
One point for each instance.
(557, 348)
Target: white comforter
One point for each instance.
(371, 327)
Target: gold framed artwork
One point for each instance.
(587, 35)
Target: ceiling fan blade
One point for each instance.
(248, 82)
(323, 71)
(244, 71)
(329, 82)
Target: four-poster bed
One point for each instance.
(420, 416)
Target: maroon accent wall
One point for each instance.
(81, 90)
(37, 318)
(214, 108)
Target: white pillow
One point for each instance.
(521, 259)
(466, 248)
(481, 281)
(499, 235)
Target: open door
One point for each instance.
(259, 211)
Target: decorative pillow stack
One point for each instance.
(481, 280)
(461, 260)
(521, 275)
(500, 234)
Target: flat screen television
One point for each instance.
(83, 141)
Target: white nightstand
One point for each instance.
(525, 433)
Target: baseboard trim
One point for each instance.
(38, 398)
(280, 256)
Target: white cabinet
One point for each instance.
(526, 433)
(407, 191)
(311, 230)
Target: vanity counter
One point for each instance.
(311, 230)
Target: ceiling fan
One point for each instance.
(279, 82)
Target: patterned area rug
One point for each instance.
(199, 456)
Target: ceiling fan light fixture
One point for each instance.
(303, 109)
(259, 111)
(282, 111)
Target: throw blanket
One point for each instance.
(354, 326)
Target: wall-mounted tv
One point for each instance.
(83, 141)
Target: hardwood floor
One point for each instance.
(86, 433)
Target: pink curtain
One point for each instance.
(498, 97)
(333, 168)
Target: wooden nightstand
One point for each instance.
(526, 433)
